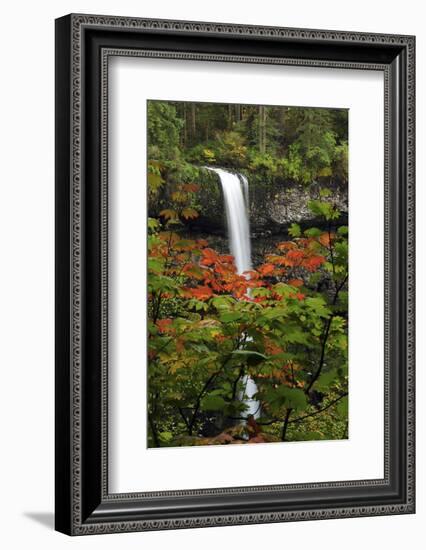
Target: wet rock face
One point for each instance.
(290, 205)
(272, 211)
(211, 204)
(273, 208)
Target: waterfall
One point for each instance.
(245, 190)
(236, 206)
(235, 189)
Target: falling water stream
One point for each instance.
(236, 196)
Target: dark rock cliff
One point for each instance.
(273, 207)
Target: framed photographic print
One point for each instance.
(234, 274)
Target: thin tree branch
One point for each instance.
(325, 338)
(235, 383)
(201, 394)
(154, 431)
(286, 423)
(300, 418)
(198, 401)
(183, 417)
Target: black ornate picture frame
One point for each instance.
(84, 43)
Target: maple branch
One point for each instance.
(325, 338)
(235, 383)
(183, 417)
(151, 421)
(300, 418)
(154, 432)
(315, 376)
(286, 423)
(330, 249)
(198, 401)
(201, 395)
(156, 312)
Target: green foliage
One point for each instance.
(285, 325)
(341, 161)
(271, 144)
(285, 397)
(163, 126)
(213, 403)
(231, 148)
(295, 230)
(209, 327)
(324, 209)
(312, 153)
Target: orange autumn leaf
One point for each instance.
(201, 292)
(278, 260)
(266, 269)
(190, 187)
(259, 299)
(272, 348)
(185, 245)
(251, 275)
(164, 325)
(189, 213)
(221, 269)
(295, 255)
(178, 196)
(296, 282)
(168, 214)
(286, 245)
(254, 427)
(312, 263)
(325, 239)
(226, 258)
(209, 256)
(240, 292)
(193, 271)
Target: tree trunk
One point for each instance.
(184, 134)
(193, 122)
(262, 129)
(285, 425)
(230, 117)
